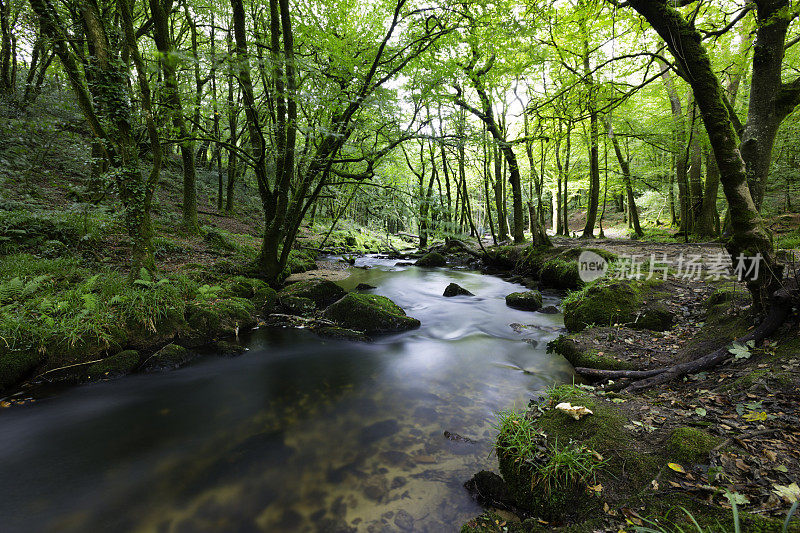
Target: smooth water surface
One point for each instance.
(298, 434)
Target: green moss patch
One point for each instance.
(608, 302)
(579, 354)
(525, 301)
(17, 365)
(122, 363)
(686, 445)
(432, 259)
(370, 313)
(321, 292)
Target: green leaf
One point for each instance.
(739, 351)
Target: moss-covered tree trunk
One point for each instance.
(750, 240)
(593, 200)
(626, 177)
(106, 107)
(172, 99)
(6, 48)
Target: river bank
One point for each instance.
(727, 434)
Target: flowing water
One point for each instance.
(298, 434)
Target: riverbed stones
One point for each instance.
(370, 313)
(431, 259)
(378, 430)
(456, 290)
(549, 310)
(525, 301)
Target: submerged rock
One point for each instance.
(321, 292)
(431, 259)
(365, 287)
(333, 332)
(456, 290)
(370, 313)
(489, 489)
(525, 301)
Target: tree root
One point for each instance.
(780, 309)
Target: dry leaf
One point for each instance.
(575, 411)
(790, 493)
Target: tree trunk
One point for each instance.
(678, 147)
(172, 98)
(708, 220)
(594, 135)
(749, 235)
(626, 178)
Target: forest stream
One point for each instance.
(300, 433)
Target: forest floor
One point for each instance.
(743, 417)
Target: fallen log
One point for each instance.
(780, 309)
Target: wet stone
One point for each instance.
(396, 458)
(398, 482)
(404, 520)
(456, 290)
(365, 287)
(549, 310)
(379, 430)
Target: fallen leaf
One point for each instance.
(790, 493)
(575, 411)
(676, 467)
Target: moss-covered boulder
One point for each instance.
(455, 289)
(608, 302)
(525, 301)
(219, 242)
(168, 357)
(322, 292)
(432, 259)
(370, 313)
(560, 274)
(582, 354)
(228, 349)
(535, 451)
(687, 445)
(122, 363)
(225, 316)
(505, 257)
(257, 291)
(298, 306)
(301, 261)
(16, 366)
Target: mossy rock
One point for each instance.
(525, 301)
(655, 316)
(609, 302)
(505, 257)
(298, 306)
(455, 289)
(228, 349)
(257, 291)
(168, 357)
(560, 274)
(122, 363)
(16, 366)
(431, 259)
(220, 317)
(628, 466)
(687, 445)
(491, 522)
(580, 355)
(219, 242)
(322, 292)
(301, 261)
(370, 313)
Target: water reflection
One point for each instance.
(298, 434)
